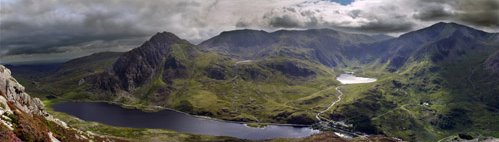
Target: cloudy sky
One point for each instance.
(54, 30)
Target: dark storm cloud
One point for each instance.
(481, 19)
(20, 35)
(355, 20)
(476, 12)
(379, 27)
(385, 16)
(479, 12)
(32, 27)
(29, 28)
(284, 21)
(434, 12)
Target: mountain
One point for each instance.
(320, 45)
(432, 83)
(162, 51)
(170, 72)
(24, 118)
(438, 42)
(88, 64)
(52, 80)
(440, 78)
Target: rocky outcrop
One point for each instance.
(23, 118)
(138, 66)
(291, 69)
(492, 63)
(215, 73)
(14, 92)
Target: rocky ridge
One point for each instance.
(492, 63)
(24, 118)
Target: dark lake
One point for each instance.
(172, 120)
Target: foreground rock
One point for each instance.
(24, 119)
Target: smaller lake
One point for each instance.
(172, 120)
(352, 79)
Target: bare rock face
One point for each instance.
(492, 63)
(134, 69)
(137, 67)
(14, 92)
(23, 118)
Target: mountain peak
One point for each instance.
(136, 67)
(441, 25)
(446, 29)
(164, 37)
(445, 23)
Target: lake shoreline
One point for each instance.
(146, 110)
(116, 115)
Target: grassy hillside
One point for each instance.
(428, 91)
(279, 89)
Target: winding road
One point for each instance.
(318, 117)
(341, 128)
(344, 79)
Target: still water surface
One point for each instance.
(352, 79)
(172, 120)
